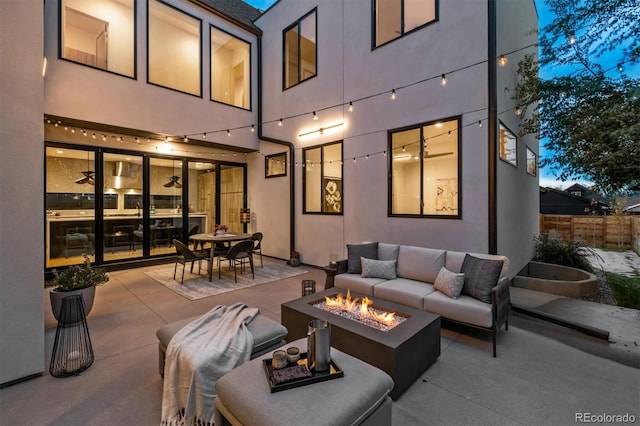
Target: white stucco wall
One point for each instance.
(79, 92)
(517, 192)
(348, 70)
(21, 172)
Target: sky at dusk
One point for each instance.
(545, 17)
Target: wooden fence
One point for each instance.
(614, 232)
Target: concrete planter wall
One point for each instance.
(556, 279)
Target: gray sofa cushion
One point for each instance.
(372, 268)
(420, 264)
(480, 276)
(449, 283)
(356, 251)
(404, 291)
(388, 251)
(463, 309)
(455, 258)
(356, 283)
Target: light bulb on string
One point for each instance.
(479, 123)
(443, 80)
(315, 116)
(517, 111)
(280, 123)
(253, 128)
(104, 137)
(572, 38)
(93, 136)
(502, 61)
(204, 135)
(350, 109)
(403, 148)
(185, 139)
(228, 133)
(393, 94)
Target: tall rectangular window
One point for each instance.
(100, 34)
(508, 146)
(532, 162)
(395, 18)
(174, 49)
(425, 170)
(230, 69)
(323, 179)
(300, 54)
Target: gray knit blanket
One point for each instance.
(197, 356)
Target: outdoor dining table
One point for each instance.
(213, 239)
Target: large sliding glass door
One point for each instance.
(144, 203)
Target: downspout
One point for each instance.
(492, 136)
(261, 136)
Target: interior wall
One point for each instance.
(518, 195)
(22, 216)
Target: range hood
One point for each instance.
(122, 176)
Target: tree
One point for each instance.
(589, 116)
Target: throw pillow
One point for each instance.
(480, 276)
(356, 251)
(449, 283)
(378, 268)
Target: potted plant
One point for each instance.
(295, 258)
(220, 230)
(77, 279)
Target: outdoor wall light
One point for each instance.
(328, 128)
(245, 215)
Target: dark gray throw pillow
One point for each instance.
(356, 251)
(480, 276)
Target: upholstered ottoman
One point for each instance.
(361, 397)
(267, 335)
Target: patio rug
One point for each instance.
(198, 286)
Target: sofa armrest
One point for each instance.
(343, 266)
(501, 303)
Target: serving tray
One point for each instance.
(333, 372)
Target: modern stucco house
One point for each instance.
(332, 122)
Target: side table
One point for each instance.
(331, 271)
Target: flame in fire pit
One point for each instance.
(363, 312)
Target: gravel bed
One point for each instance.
(605, 294)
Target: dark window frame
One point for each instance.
(201, 95)
(374, 26)
(282, 156)
(297, 24)
(322, 178)
(535, 159)
(421, 126)
(135, 45)
(250, 69)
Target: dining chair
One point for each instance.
(237, 253)
(257, 240)
(185, 255)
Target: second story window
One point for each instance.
(300, 54)
(395, 18)
(174, 49)
(100, 34)
(230, 69)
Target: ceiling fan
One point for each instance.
(88, 175)
(173, 180)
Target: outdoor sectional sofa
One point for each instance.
(406, 275)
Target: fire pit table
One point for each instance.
(403, 352)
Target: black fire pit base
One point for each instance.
(403, 352)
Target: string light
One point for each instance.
(517, 111)
(479, 123)
(315, 116)
(93, 136)
(228, 133)
(502, 61)
(185, 139)
(137, 140)
(443, 80)
(280, 123)
(393, 94)
(204, 135)
(166, 139)
(350, 109)
(572, 38)
(104, 137)
(253, 128)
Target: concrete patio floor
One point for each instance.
(544, 374)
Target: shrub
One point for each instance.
(77, 277)
(565, 253)
(625, 289)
